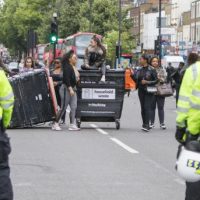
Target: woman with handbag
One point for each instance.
(158, 99)
(146, 79)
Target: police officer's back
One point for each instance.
(6, 107)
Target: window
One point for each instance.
(198, 9)
(192, 33)
(198, 33)
(135, 21)
(142, 19)
(193, 10)
(163, 22)
(70, 42)
(41, 49)
(83, 40)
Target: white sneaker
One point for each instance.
(73, 127)
(56, 127)
(103, 78)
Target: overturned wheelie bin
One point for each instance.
(100, 102)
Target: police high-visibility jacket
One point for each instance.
(6, 99)
(188, 107)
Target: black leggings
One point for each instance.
(57, 91)
(145, 102)
(160, 101)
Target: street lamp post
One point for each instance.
(120, 27)
(159, 34)
(54, 44)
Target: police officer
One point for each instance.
(188, 118)
(6, 107)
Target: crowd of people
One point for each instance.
(66, 77)
(184, 80)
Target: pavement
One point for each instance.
(98, 162)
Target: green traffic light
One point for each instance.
(53, 38)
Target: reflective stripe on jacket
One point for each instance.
(188, 107)
(6, 99)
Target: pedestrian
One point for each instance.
(6, 108)
(177, 76)
(28, 64)
(57, 76)
(170, 70)
(192, 58)
(157, 99)
(68, 90)
(146, 79)
(188, 118)
(95, 56)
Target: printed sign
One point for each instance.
(97, 93)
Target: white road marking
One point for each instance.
(98, 129)
(126, 147)
(121, 144)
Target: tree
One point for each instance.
(111, 39)
(69, 17)
(102, 16)
(18, 16)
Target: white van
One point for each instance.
(174, 60)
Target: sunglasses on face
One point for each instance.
(57, 62)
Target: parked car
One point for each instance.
(13, 67)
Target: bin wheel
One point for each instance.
(78, 123)
(117, 124)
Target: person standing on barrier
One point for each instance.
(156, 99)
(146, 79)
(188, 118)
(6, 108)
(68, 89)
(95, 55)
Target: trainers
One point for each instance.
(56, 127)
(162, 126)
(73, 127)
(62, 122)
(151, 126)
(145, 128)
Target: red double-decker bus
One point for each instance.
(48, 51)
(39, 52)
(79, 42)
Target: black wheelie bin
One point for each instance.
(100, 102)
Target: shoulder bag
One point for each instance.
(164, 90)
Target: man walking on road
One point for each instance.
(6, 108)
(188, 118)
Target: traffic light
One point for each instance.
(54, 32)
(118, 51)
